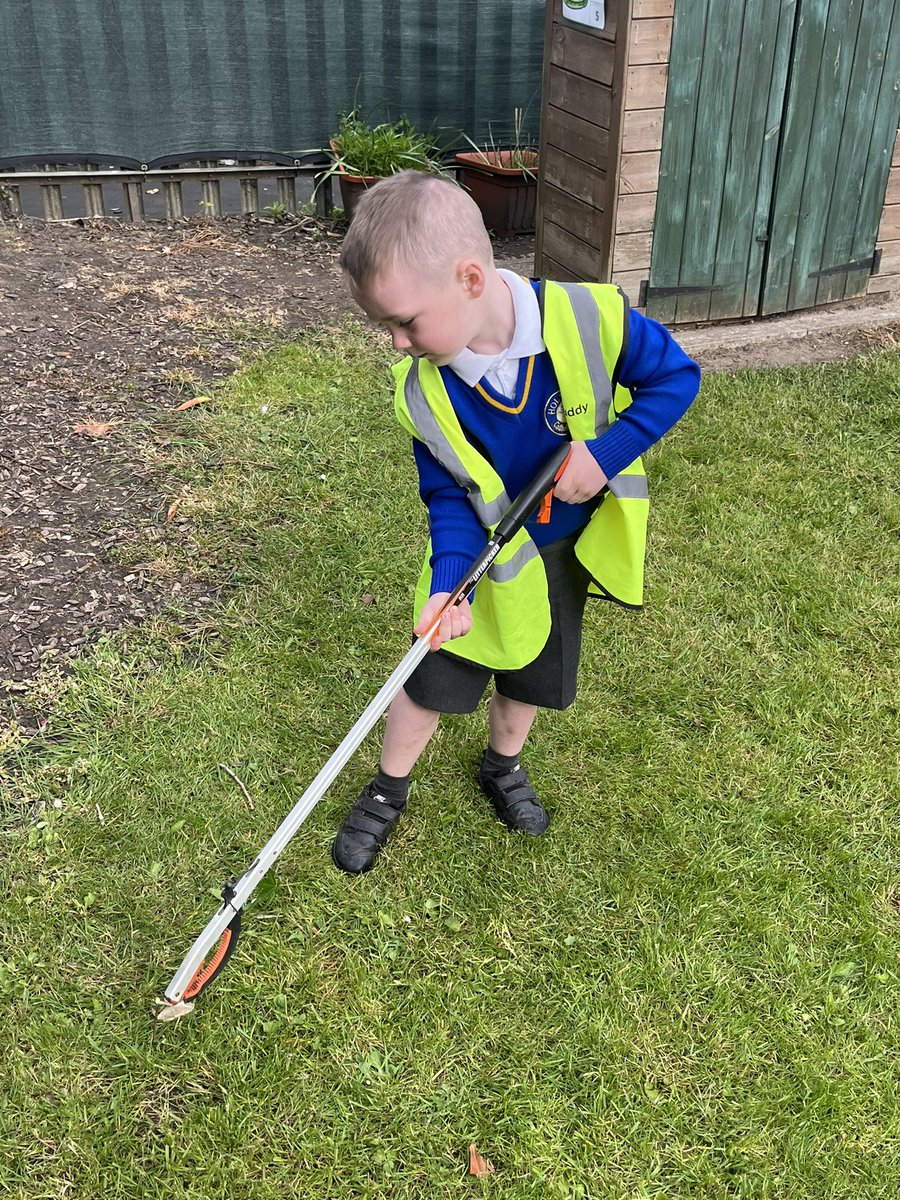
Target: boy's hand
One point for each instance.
(582, 478)
(455, 622)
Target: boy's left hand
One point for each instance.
(582, 478)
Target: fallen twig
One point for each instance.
(247, 796)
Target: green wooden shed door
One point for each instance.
(780, 121)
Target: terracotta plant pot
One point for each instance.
(507, 196)
(351, 186)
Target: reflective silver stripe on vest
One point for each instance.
(504, 572)
(587, 321)
(629, 487)
(488, 512)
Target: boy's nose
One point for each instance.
(400, 339)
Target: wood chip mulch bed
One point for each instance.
(103, 327)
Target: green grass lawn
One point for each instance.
(688, 988)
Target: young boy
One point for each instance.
(499, 369)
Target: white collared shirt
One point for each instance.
(502, 370)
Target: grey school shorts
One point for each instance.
(446, 684)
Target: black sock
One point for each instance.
(498, 764)
(393, 787)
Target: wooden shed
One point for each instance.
(722, 159)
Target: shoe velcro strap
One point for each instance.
(369, 815)
(515, 781)
(379, 828)
(371, 804)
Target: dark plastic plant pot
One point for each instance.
(352, 187)
(507, 196)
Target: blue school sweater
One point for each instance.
(518, 435)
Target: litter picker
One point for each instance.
(215, 945)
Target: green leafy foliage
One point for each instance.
(362, 148)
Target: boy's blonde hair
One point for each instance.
(413, 221)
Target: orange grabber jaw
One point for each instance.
(543, 517)
(213, 966)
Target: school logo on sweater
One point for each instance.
(554, 415)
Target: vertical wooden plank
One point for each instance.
(211, 197)
(616, 135)
(539, 264)
(828, 114)
(93, 200)
(174, 199)
(759, 243)
(718, 106)
(10, 202)
(887, 116)
(788, 255)
(133, 202)
(287, 192)
(322, 194)
(854, 150)
(688, 32)
(249, 196)
(748, 171)
(51, 202)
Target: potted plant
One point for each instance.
(503, 181)
(363, 153)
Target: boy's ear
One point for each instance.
(471, 275)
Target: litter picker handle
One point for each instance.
(215, 945)
(532, 495)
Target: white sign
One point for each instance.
(586, 12)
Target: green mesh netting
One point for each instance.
(150, 81)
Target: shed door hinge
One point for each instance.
(861, 264)
(659, 293)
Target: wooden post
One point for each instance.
(51, 201)
(249, 196)
(10, 202)
(93, 200)
(581, 137)
(287, 192)
(211, 191)
(174, 200)
(133, 202)
(322, 194)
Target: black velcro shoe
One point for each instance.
(366, 829)
(514, 801)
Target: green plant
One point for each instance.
(522, 155)
(276, 210)
(360, 148)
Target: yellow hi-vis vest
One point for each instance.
(584, 330)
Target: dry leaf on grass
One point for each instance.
(478, 1166)
(171, 1012)
(190, 403)
(368, 598)
(173, 509)
(94, 429)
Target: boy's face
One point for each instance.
(426, 318)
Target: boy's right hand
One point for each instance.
(455, 622)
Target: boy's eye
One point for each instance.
(408, 324)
